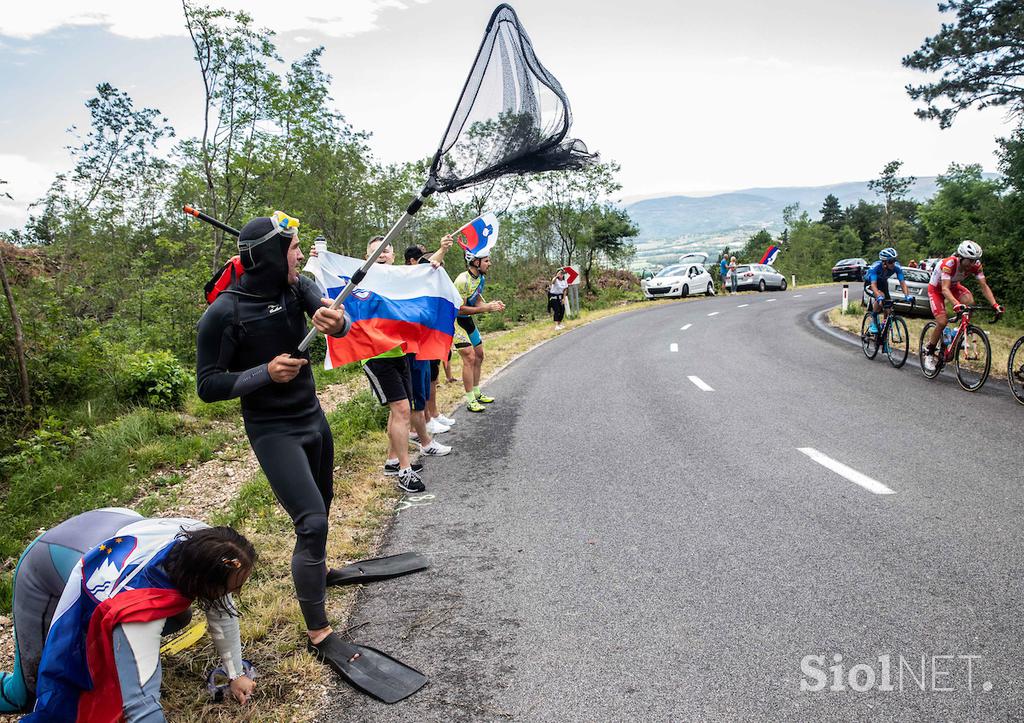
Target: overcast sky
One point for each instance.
(687, 96)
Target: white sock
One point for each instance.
(393, 460)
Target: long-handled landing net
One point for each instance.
(512, 118)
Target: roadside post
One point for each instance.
(572, 292)
(793, 283)
(846, 297)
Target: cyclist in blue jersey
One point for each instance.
(876, 281)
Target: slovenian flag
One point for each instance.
(118, 581)
(479, 234)
(409, 306)
(770, 254)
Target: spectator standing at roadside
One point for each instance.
(732, 273)
(556, 293)
(723, 272)
(427, 371)
(912, 264)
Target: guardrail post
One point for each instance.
(846, 297)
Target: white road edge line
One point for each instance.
(684, 328)
(673, 347)
(871, 485)
(742, 305)
(712, 313)
(701, 384)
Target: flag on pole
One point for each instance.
(409, 306)
(770, 255)
(118, 581)
(479, 235)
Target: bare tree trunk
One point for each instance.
(19, 338)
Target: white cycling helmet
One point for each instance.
(969, 250)
(889, 254)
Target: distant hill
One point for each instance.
(671, 225)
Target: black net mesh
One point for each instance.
(512, 117)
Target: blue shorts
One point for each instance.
(420, 382)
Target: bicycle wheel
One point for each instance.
(973, 359)
(868, 339)
(1015, 370)
(925, 335)
(897, 343)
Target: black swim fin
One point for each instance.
(368, 669)
(378, 568)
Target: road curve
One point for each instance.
(636, 532)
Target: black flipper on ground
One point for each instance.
(378, 568)
(368, 669)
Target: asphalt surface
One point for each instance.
(611, 542)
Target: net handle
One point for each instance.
(360, 273)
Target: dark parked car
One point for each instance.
(917, 283)
(849, 270)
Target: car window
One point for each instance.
(670, 271)
(921, 277)
(770, 269)
(742, 269)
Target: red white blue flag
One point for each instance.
(770, 255)
(409, 306)
(118, 581)
(478, 236)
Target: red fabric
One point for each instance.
(103, 703)
(367, 339)
(938, 301)
(224, 280)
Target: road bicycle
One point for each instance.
(892, 336)
(1015, 370)
(968, 349)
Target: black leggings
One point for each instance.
(298, 458)
(555, 304)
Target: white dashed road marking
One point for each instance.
(712, 313)
(673, 347)
(742, 305)
(684, 328)
(701, 384)
(797, 296)
(848, 472)
(770, 301)
(822, 292)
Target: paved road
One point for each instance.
(611, 541)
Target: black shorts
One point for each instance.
(390, 379)
(435, 367)
(871, 294)
(469, 336)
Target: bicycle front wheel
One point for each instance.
(897, 342)
(973, 359)
(925, 336)
(868, 339)
(1015, 370)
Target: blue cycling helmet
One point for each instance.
(889, 254)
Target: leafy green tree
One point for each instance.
(979, 59)
(892, 188)
(611, 227)
(755, 247)
(832, 212)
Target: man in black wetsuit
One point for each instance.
(247, 347)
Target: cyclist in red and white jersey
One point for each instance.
(945, 285)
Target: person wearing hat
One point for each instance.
(247, 348)
(470, 284)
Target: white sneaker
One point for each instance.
(446, 421)
(436, 427)
(930, 363)
(435, 449)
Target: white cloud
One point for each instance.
(143, 20)
(27, 181)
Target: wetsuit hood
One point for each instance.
(264, 258)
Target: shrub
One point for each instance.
(153, 378)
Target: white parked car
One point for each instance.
(679, 280)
